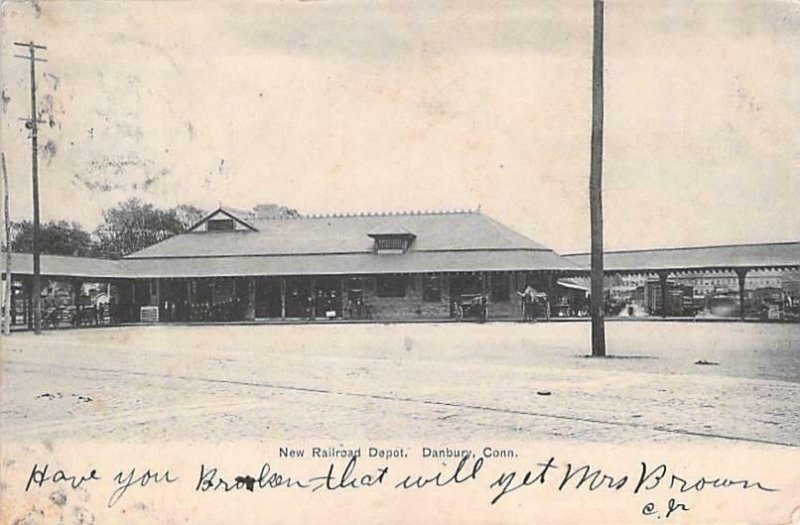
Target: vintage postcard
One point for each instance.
(373, 262)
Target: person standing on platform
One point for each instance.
(484, 305)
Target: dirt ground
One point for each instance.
(219, 384)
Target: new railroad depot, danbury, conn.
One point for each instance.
(238, 266)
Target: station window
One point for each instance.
(390, 243)
(217, 225)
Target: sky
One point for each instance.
(350, 106)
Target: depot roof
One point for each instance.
(467, 241)
(345, 234)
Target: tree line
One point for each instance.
(128, 227)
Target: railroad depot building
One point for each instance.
(384, 266)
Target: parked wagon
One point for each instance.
(52, 318)
(475, 306)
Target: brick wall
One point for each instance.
(413, 307)
(409, 307)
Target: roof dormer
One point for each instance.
(392, 239)
(222, 220)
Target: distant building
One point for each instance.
(679, 298)
(706, 283)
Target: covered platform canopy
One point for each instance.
(663, 262)
(66, 269)
(765, 256)
(64, 266)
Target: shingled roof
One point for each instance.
(341, 244)
(345, 234)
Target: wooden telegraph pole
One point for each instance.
(7, 224)
(596, 186)
(32, 124)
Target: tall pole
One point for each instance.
(7, 220)
(596, 186)
(33, 125)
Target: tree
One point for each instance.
(133, 225)
(289, 213)
(596, 186)
(189, 215)
(274, 211)
(55, 238)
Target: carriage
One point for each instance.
(52, 318)
(473, 306)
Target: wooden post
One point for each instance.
(313, 288)
(251, 299)
(283, 297)
(741, 273)
(157, 298)
(189, 299)
(7, 298)
(595, 187)
(345, 297)
(75, 289)
(134, 318)
(33, 125)
(28, 285)
(662, 277)
(487, 289)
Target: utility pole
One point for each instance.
(596, 186)
(33, 125)
(7, 219)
